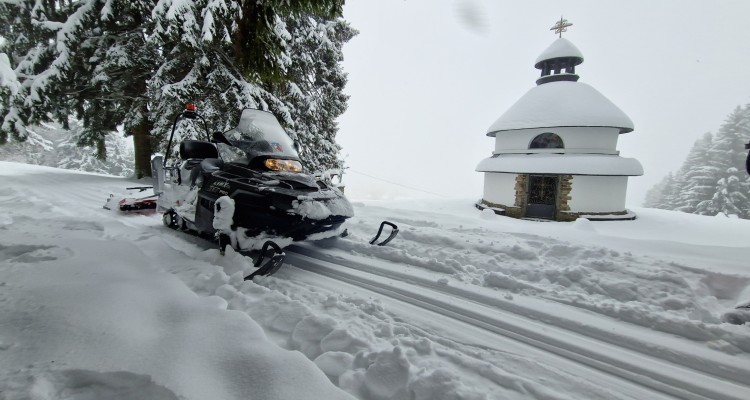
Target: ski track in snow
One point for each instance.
(461, 305)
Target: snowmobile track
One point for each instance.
(639, 367)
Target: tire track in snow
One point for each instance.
(658, 344)
(642, 369)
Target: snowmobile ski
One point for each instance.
(274, 260)
(394, 232)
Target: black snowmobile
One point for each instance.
(246, 188)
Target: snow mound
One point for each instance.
(583, 224)
(82, 385)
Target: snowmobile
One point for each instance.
(246, 189)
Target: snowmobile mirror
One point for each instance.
(219, 137)
(275, 260)
(394, 232)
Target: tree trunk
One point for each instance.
(142, 144)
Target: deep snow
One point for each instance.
(97, 304)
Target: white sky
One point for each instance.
(428, 77)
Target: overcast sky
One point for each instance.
(428, 77)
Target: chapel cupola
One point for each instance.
(558, 62)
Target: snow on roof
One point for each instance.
(573, 164)
(562, 103)
(559, 48)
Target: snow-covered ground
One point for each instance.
(462, 304)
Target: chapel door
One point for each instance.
(542, 196)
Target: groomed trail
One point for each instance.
(671, 368)
(461, 305)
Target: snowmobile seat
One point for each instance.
(197, 149)
(207, 166)
(194, 152)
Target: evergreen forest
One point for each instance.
(712, 180)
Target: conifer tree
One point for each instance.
(697, 177)
(137, 62)
(729, 199)
(725, 159)
(669, 193)
(314, 92)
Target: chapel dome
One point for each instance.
(560, 48)
(562, 104)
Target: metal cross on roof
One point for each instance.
(561, 26)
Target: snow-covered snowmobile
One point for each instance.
(246, 188)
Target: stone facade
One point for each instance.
(562, 204)
(563, 197)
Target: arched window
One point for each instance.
(547, 140)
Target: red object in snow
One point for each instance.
(130, 204)
(191, 107)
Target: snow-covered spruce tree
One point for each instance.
(725, 159)
(140, 68)
(314, 93)
(729, 199)
(297, 76)
(90, 59)
(669, 193)
(197, 40)
(28, 28)
(698, 183)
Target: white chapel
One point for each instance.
(555, 151)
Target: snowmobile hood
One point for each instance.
(259, 134)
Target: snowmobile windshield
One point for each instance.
(259, 134)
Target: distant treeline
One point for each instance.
(712, 180)
(51, 145)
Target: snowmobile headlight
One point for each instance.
(283, 165)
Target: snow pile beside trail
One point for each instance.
(87, 314)
(82, 384)
(681, 284)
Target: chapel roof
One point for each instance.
(562, 104)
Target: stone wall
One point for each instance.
(517, 209)
(563, 197)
